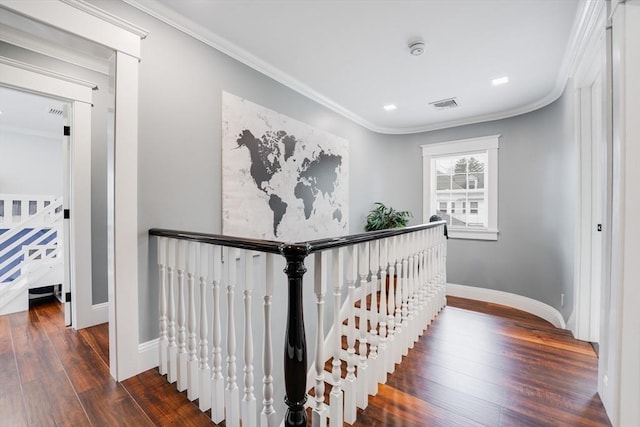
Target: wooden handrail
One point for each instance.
(275, 247)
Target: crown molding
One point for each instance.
(583, 27)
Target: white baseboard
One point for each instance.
(100, 313)
(519, 302)
(148, 355)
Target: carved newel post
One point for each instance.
(295, 345)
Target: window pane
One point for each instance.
(459, 181)
(443, 182)
(460, 196)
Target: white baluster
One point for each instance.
(336, 407)
(217, 380)
(398, 334)
(350, 382)
(411, 302)
(162, 276)
(444, 268)
(268, 415)
(362, 386)
(182, 318)
(382, 315)
(248, 409)
(172, 346)
(391, 322)
(319, 414)
(422, 289)
(204, 377)
(192, 361)
(433, 272)
(406, 333)
(232, 393)
(372, 315)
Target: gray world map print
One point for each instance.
(282, 180)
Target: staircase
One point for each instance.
(30, 248)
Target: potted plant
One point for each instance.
(382, 217)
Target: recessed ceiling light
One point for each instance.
(390, 107)
(500, 81)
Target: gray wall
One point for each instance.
(180, 180)
(179, 175)
(534, 253)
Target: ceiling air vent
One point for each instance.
(55, 111)
(445, 104)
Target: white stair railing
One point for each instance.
(390, 319)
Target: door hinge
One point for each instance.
(599, 227)
(67, 130)
(67, 297)
(66, 214)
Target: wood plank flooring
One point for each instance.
(479, 364)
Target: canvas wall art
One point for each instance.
(281, 179)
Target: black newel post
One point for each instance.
(295, 343)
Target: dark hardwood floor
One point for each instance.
(478, 364)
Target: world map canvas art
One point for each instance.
(282, 179)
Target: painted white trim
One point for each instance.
(580, 30)
(148, 355)
(83, 19)
(49, 83)
(467, 145)
(461, 233)
(107, 17)
(86, 21)
(44, 47)
(519, 302)
(100, 312)
(589, 72)
(23, 75)
(123, 243)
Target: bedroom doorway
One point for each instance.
(34, 185)
(74, 96)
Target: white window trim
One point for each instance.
(464, 146)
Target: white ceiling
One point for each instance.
(353, 56)
(27, 113)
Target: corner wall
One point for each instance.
(537, 186)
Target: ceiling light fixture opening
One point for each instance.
(390, 107)
(416, 48)
(500, 81)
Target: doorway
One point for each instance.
(34, 187)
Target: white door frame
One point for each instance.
(78, 93)
(619, 362)
(591, 142)
(85, 20)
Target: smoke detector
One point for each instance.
(416, 48)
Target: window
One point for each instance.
(463, 173)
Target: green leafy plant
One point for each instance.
(382, 217)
